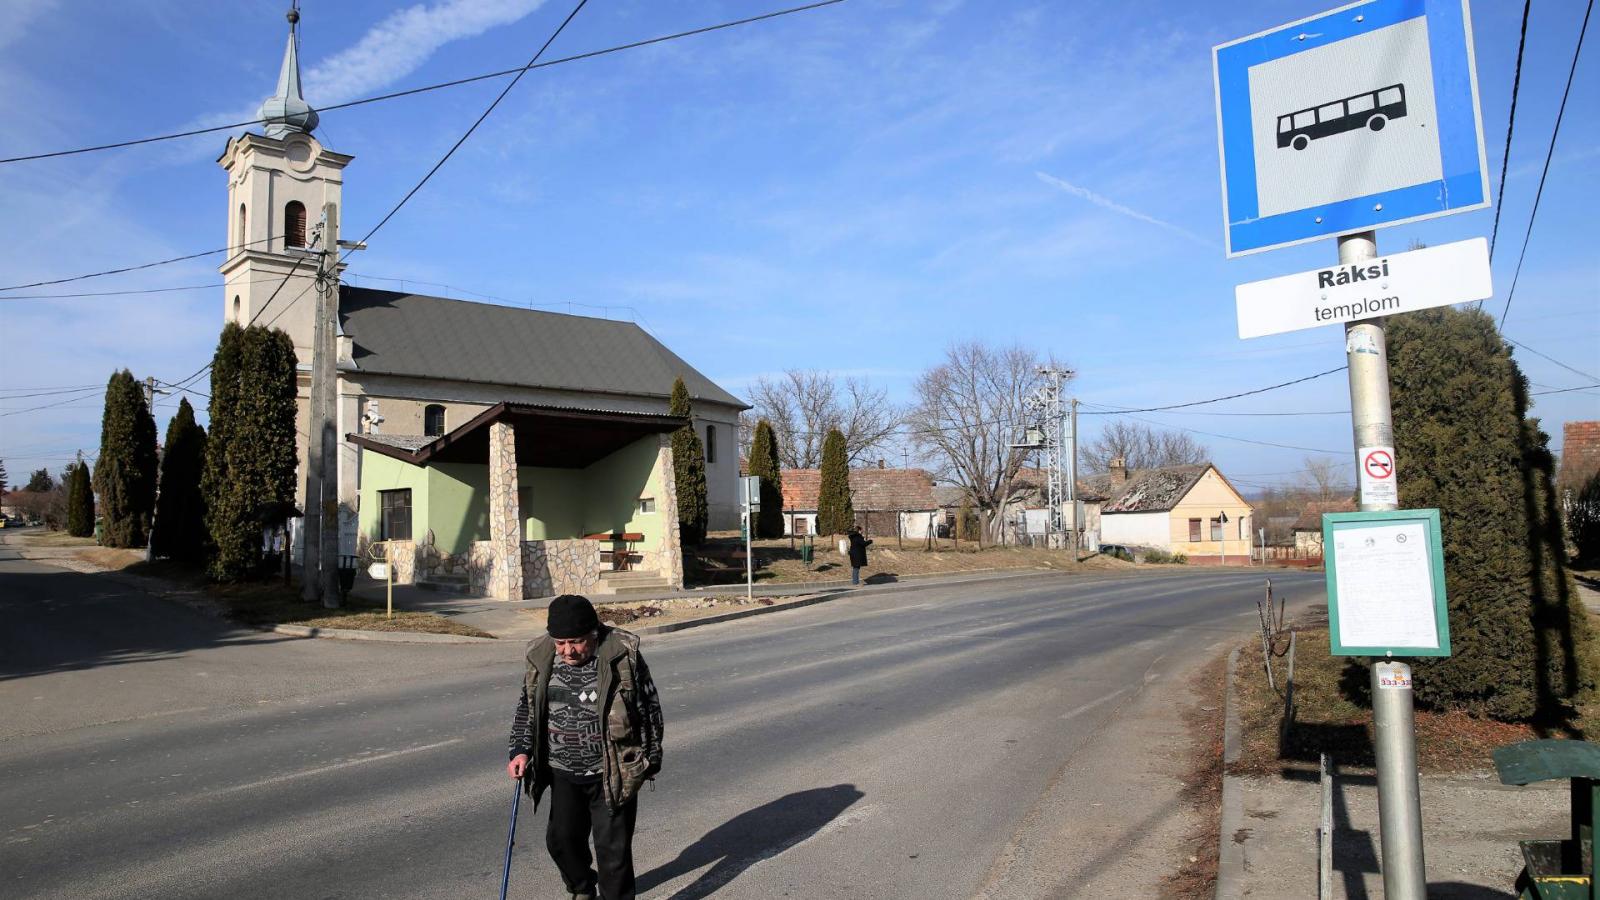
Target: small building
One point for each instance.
(1192, 510)
(1580, 455)
(887, 502)
(526, 501)
(1028, 509)
(1308, 527)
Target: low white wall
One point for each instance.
(1150, 529)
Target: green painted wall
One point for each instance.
(458, 506)
(453, 498)
(613, 487)
(380, 473)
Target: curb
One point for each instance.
(900, 579)
(390, 637)
(1230, 854)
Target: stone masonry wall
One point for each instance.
(505, 521)
(669, 550)
(559, 567)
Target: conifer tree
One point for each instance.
(689, 470)
(1521, 644)
(2, 476)
(764, 465)
(1584, 521)
(125, 472)
(41, 482)
(835, 510)
(80, 501)
(250, 454)
(179, 531)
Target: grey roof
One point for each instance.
(410, 443)
(433, 337)
(1154, 490)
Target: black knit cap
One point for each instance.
(571, 616)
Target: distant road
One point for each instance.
(886, 744)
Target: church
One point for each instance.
(506, 452)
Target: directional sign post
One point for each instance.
(1332, 126)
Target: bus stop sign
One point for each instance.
(1360, 117)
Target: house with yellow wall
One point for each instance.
(1192, 510)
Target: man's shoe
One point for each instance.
(580, 897)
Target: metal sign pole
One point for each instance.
(749, 567)
(1399, 799)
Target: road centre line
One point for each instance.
(289, 776)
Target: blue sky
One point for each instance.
(848, 189)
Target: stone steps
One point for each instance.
(451, 584)
(633, 582)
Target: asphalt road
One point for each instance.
(887, 744)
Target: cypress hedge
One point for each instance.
(180, 529)
(125, 472)
(835, 510)
(689, 470)
(1522, 647)
(764, 465)
(251, 455)
(80, 501)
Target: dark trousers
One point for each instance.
(855, 574)
(577, 812)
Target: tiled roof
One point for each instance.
(1311, 516)
(1154, 490)
(1580, 451)
(434, 337)
(871, 490)
(1038, 479)
(949, 496)
(410, 443)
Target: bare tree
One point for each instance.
(1323, 481)
(802, 404)
(1140, 447)
(965, 417)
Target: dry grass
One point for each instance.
(1331, 716)
(111, 558)
(53, 539)
(264, 604)
(777, 564)
(1198, 856)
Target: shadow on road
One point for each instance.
(62, 621)
(750, 837)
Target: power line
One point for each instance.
(434, 87)
(149, 265)
(1227, 437)
(1550, 153)
(49, 393)
(1116, 410)
(1511, 121)
(1552, 359)
(166, 290)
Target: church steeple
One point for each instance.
(287, 112)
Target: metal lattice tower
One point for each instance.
(1048, 434)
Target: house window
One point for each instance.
(1216, 529)
(647, 505)
(433, 420)
(1194, 530)
(711, 444)
(294, 224)
(394, 515)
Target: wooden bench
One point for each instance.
(621, 556)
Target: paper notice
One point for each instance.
(1384, 578)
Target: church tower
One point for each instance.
(277, 185)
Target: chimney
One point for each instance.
(1118, 468)
(881, 463)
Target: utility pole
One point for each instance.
(1072, 473)
(150, 407)
(319, 543)
(1399, 799)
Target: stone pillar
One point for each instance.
(671, 548)
(505, 520)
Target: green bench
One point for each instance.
(1558, 869)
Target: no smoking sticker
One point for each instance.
(1376, 474)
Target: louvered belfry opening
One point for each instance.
(294, 224)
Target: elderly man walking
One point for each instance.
(588, 727)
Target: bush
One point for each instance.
(764, 464)
(180, 509)
(1157, 555)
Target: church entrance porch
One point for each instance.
(526, 501)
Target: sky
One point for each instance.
(850, 189)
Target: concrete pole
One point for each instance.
(325, 384)
(1399, 798)
(311, 522)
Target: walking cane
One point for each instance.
(511, 839)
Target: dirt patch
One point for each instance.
(1196, 877)
(264, 604)
(53, 539)
(720, 560)
(111, 558)
(1330, 716)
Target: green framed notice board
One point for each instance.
(1385, 574)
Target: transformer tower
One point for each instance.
(1047, 433)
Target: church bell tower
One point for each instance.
(278, 183)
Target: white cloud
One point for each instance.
(18, 15)
(400, 44)
(1107, 203)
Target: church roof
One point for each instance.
(419, 336)
(286, 110)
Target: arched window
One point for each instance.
(236, 313)
(294, 224)
(711, 444)
(433, 420)
(242, 230)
